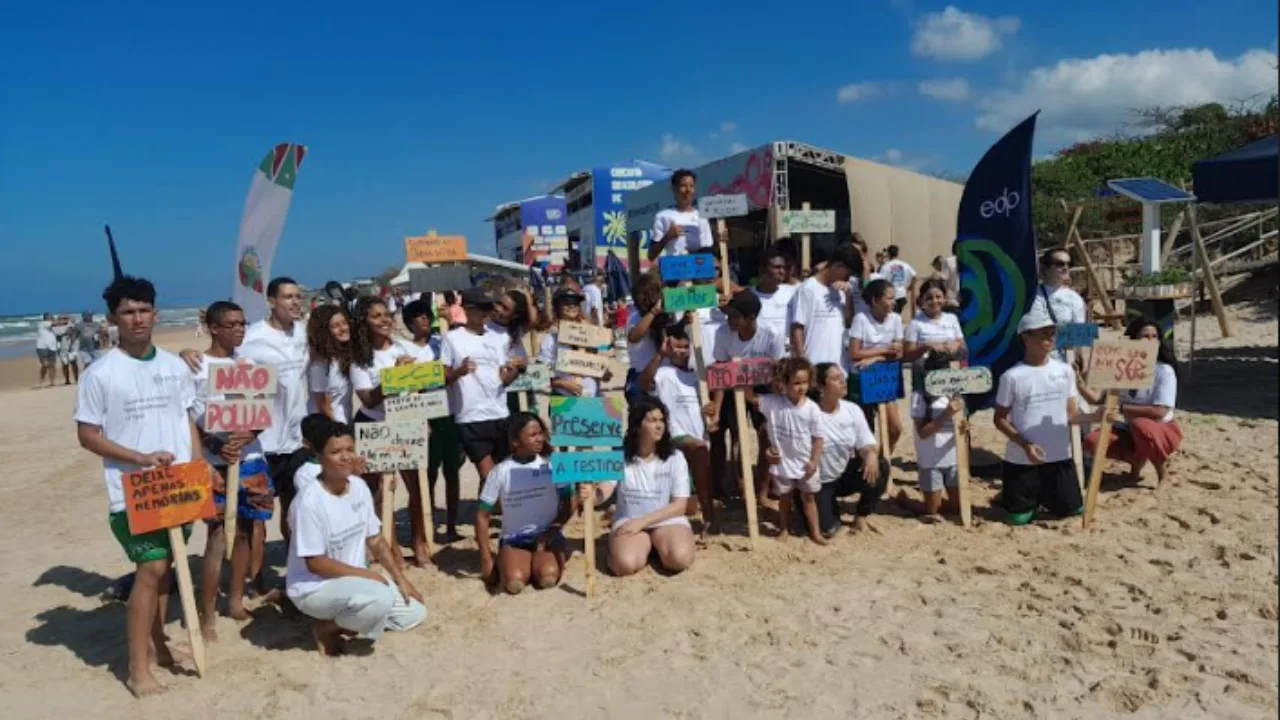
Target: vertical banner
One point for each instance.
(610, 186)
(996, 254)
(264, 213)
(545, 235)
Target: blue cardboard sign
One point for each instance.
(1076, 335)
(587, 466)
(675, 268)
(587, 421)
(880, 382)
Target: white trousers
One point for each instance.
(363, 606)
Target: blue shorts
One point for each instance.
(934, 479)
(257, 498)
(529, 543)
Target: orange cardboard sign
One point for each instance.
(436, 249)
(165, 497)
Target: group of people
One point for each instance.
(139, 406)
(71, 345)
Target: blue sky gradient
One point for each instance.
(421, 116)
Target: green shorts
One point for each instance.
(444, 447)
(146, 547)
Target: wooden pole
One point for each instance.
(231, 505)
(1210, 282)
(589, 541)
(187, 593)
(882, 434)
(1099, 459)
(1073, 237)
(962, 468)
(1171, 237)
(804, 244)
(1077, 453)
(388, 508)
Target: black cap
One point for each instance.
(744, 304)
(567, 295)
(476, 297)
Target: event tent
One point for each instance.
(1246, 174)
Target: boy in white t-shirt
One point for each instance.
(680, 230)
(1035, 403)
(143, 396)
(902, 276)
(822, 310)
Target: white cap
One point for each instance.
(1034, 320)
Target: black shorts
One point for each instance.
(729, 413)
(1053, 486)
(899, 304)
(487, 438)
(281, 467)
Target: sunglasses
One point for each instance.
(1060, 263)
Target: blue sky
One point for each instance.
(428, 115)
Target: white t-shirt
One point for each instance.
(641, 352)
(368, 378)
(45, 337)
(924, 329)
(710, 322)
(143, 405)
(844, 433)
(288, 352)
(792, 429)
(899, 274)
(594, 304)
(329, 379)
(478, 396)
(765, 343)
(876, 334)
(332, 526)
(678, 390)
(650, 485)
(1037, 400)
(937, 450)
(820, 309)
(200, 381)
(1066, 304)
(547, 354)
(697, 231)
(306, 476)
(774, 313)
(1163, 392)
(530, 499)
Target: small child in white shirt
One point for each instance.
(795, 433)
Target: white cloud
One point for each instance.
(736, 148)
(728, 126)
(854, 92)
(675, 150)
(1082, 98)
(897, 158)
(950, 89)
(957, 35)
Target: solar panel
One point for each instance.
(1150, 190)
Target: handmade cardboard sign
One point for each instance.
(675, 268)
(436, 249)
(722, 206)
(416, 408)
(165, 497)
(1123, 364)
(740, 373)
(799, 222)
(535, 378)
(225, 378)
(587, 421)
(880, 382)
(441, 278)
(224, 416)
(577, 362)
(389, 446)
(1072, 335)
(692, 297)
(950, 382)
(585, 335)
(412, 378)
(587, 466)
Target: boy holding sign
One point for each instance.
(142, 396)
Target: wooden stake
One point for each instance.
(1210, 282)
(1077, 453)
(804, 245)
(962, 467)
(882, 434)
(748, 473)
(1073, 237)
(388, 508)
(428, 508)
(187, 593)
(231, 505)
(589, 541)
(1099, 459)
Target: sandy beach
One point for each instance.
(1167, 608)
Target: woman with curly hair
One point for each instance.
(644, 327)
(652, 498)
(328, 374)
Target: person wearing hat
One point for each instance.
(1036, 401)
(742, 337)
(480, 362)
(566, 305)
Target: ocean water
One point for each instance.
(18, 332)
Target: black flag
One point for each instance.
(115, 259)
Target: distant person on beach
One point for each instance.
(68, 356)
(946, 270)
(47, 350)
(902, 276)
(142, 396)
(89, 339)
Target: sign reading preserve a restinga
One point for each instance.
(581, 421)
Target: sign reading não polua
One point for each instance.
(949, 382)
(723, 206)
(800, 222)
(587, 421)
(693, 297)
(740, 373)
(225, 378)
(1123, 364)
(587, 466)
(412, 378)
(223, 416)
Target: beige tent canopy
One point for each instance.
(893, 206)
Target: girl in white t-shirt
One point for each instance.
(644, 326)
(850, 462)
(328, 373)
(531, 547)
(652, 498)
(795, 443)
(671, 377)
(567, 307)
(876, 336)
(933, 330)
(936, 463)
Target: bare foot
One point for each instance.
(143, 684)
(209, 631)
(421, 558)
(238, 613)
(931, 518)
(328, 637)
(713, 526)
(818, 539)
(860, 525)
(168, 658)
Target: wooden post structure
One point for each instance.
(1077, 452)
(1210, 282)
(589, 540)
(1172, 236)
(962, 467)
(740, 415)
(804, 244)
(1073, 237)
(231, 505)
(187, 593)
(388, 507)
(1099, 459)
